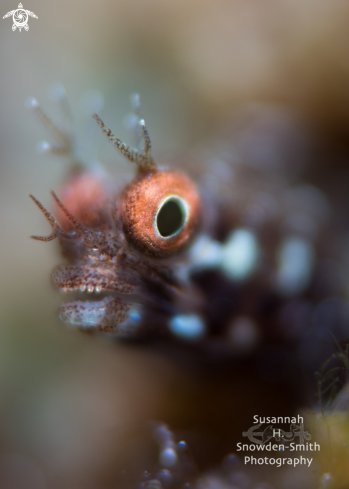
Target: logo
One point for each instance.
(296, 440)
(20, 18)
(278, 434)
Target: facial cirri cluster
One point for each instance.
(233, 255)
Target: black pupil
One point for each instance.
(170, 218)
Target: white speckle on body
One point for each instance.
(205, 253)
(240, 255)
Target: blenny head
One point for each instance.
(119, 242)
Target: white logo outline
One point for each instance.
(20, 18)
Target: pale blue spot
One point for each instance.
(134, 315)
(187, 326)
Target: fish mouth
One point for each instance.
(92, 310)
(100, 293)
(93, 279)
(105, 315)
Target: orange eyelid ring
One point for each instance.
(161, 212)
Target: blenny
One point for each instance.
(232, 258)
(235, 259)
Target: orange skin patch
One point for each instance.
(141, 202)
(85, 196)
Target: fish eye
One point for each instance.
(160, 210)
(161, 213)
(171, 216)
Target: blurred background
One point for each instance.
(74, 408)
